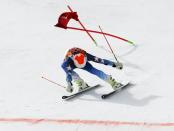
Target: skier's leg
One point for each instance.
(79, 81)
(95, 71)
(101, 75)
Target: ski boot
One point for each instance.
(115, 85)
(69, 87)
(81, 84)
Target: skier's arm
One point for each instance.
(66, 67)
(99, 60)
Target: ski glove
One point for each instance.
(69, 88)
(118, 65)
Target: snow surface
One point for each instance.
(31, 47)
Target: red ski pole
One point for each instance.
(84, 27)
(53, 82)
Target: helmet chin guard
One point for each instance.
(79, 60)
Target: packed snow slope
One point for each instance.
(31, 47)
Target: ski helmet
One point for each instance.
(79, 60)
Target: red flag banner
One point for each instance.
(65, 18)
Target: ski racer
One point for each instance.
(79, 58)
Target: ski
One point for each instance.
(104, 96)
(80, 92)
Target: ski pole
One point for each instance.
(53, 82)
(109, 45)
(84, 27)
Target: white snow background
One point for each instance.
(31, 47)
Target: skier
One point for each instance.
(79, 58)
